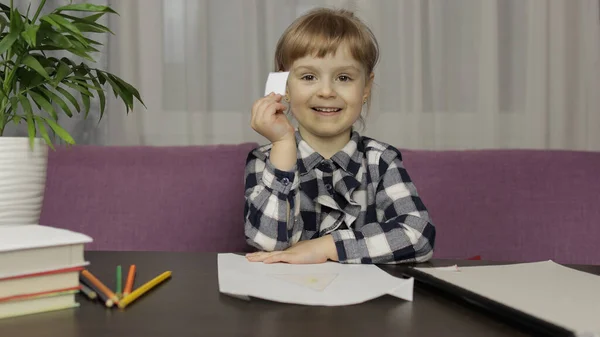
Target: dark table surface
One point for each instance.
(189, 304)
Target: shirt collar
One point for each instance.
(349, 158)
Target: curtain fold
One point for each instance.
(453, 74)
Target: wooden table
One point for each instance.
(189, 304)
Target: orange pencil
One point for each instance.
(130, 278)
(100, 286)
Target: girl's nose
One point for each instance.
(326, 90)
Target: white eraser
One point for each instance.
(276, 82)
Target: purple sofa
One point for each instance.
(504, 205)
(149, 198)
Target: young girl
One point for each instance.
(323, 192)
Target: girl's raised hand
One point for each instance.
(269, 119)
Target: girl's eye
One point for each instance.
(344, 78)
(308, 77)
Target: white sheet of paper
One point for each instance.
(276, 82)
(547, 290)
(326, 284)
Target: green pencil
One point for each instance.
(119, 289)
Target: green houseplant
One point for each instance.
(40, 79)
(30, 76)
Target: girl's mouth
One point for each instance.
(326, 110)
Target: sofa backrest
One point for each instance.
(149, 198)
(505, 205)
(511, 205)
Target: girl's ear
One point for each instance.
(368, 86)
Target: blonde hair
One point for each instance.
(320, 32)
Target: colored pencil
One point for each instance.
(88, 292)
(102, 296)
(143, 289)
(119, 280)
(99, 285)
(130, 278)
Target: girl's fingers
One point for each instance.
(281, 257)
(260, 256)
(262, 107)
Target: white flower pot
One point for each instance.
(22, 180)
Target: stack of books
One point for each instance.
(39, 269)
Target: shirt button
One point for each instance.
(285, 181)
(325, 167)
(328, 187)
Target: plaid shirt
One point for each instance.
(362, 196)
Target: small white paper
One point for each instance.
(276, 82)
(326, 284)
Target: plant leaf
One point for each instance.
(43, 102)
(55, 98)
(59, 131)
(65, 23)
(127, 97)
(89, 18)
(81, 54)
(83, 83)
(86, 104)
(14, 105)
(93, 17)
(51, 21)
(85, 95)
(28, 9)
(25, 104)
(3, 23)
(68, 26)
(28, 78)
(16, 21)
(69, 62)
(29, 115)
(86, 8)
(59, 40)
(69, 97)
(101, 96)
(86, 27)
(90, 41)
(43, 131)
(80, 80)
(17, 119)
(101, 77)
(63, 71)
(34, 64)
(128, 87)
(30, 35)
(30, 129)
(8, 41)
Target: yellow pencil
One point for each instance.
(143, 289)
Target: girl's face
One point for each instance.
(326, 94)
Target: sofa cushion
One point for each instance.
(149, 198)
(511, 205)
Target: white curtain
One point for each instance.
(487, 74)
(453, 74)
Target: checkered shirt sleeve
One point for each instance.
(270, 198)
(403, 232)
